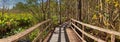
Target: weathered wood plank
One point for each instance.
(72, 35)
(55, 35)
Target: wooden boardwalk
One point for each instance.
(65, 32)
(61, 33)
(72, 35)
(55, 35)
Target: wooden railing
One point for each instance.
(92, 27)
(20, 35)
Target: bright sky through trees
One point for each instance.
(10, 3)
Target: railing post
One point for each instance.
(83, 30)
(40, 30)
(112, 38)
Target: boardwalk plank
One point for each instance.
(72, 36)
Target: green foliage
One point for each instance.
(55, 19)
(14, 23)
(34, 34)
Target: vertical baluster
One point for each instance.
(83, 30)
(112, 38)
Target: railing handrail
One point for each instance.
(83, 32)
(78, 35)
(98, 28)
(38, 37)
(22, 34)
